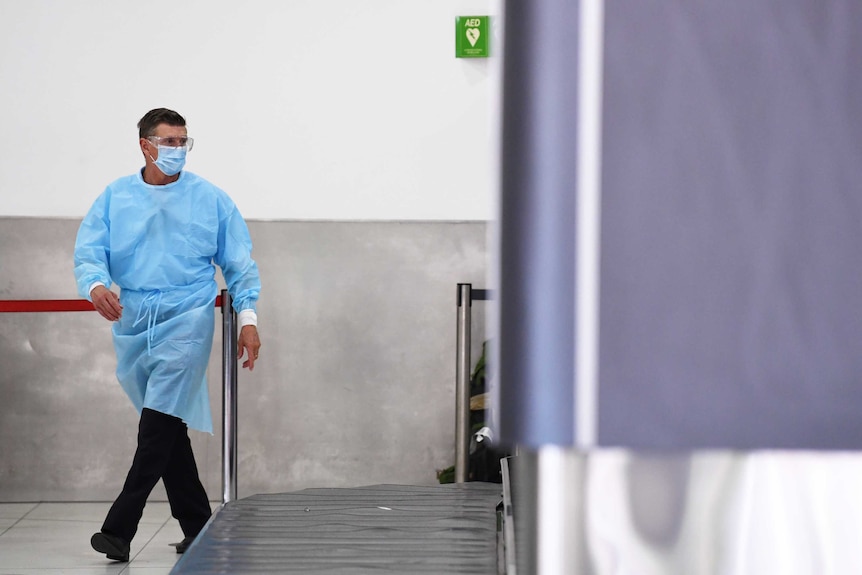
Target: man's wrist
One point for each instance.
(93, 286)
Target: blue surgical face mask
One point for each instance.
(170, 160)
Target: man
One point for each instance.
(158, 235)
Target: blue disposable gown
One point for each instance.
(160, 244)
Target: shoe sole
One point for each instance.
(103, 545)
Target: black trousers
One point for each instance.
(164, 452)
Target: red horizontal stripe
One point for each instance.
(46, 305)
(37, 305)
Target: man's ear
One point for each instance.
(143, 144)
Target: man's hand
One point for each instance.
(106, 303)
(248, 341)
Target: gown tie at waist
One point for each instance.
(153, 300)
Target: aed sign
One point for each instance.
(471, 36)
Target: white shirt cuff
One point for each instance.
(247, 317)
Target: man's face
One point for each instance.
(165, 135)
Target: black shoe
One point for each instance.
(183, 545)
(112, 546)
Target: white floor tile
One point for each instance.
(115, 570)
(54, 539)
(158, 552)
(67, 543)
(157, 512)
(69, 511)
(16, 510)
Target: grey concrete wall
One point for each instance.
(355, 383)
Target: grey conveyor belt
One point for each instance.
(447, 529)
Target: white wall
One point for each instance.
(308, 109)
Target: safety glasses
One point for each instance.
(173, 141)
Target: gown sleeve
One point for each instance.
(234, 258)
(92, 248)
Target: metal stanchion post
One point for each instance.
(229, 398)
(462, 383)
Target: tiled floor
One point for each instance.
(54, 539)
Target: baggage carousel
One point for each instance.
(445, 529)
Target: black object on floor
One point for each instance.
(446, 529)
(113, 547)
(183, 545)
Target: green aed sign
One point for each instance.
(471, 36)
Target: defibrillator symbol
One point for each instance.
(471, 36)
